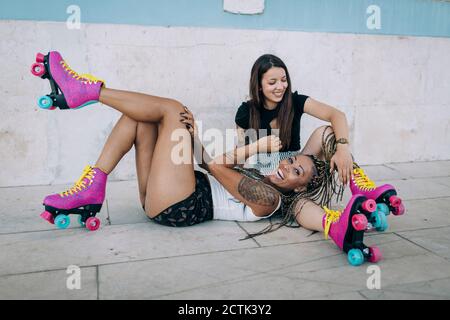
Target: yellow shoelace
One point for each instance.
(91, 79)
(88, 173)
(332, 216)
(85, 78)
(362, 180)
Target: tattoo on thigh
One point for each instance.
(257, 192)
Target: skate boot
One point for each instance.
(385, 195)
(69, 89)
(347, 228)
(85, 198)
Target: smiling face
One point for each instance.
(274, 84)
(293, 174)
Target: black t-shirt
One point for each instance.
(242, 118)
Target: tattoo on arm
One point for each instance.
(257, 192)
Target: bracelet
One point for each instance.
(342, 141)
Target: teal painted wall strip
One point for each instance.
(398, 17)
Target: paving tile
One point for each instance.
(21, 207)
(434, 289)
(403, 262)
(49, 250)
(421, 214)
(436, 240)
(444, 180)
(49, 285)
(383, 172)
(324, 272)
(418, 188)
(394, 295)
(284, 235)
(138, 259)
(262, 287)
(307, 270)
(241, 274)
(151, 279)
(422, 169)
(340, 296)
(124, 204)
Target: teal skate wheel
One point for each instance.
(382, 207)
(355, 257)
(381, 223)
(45, 102)
(385, 225)
(62, 221)
(375, 219)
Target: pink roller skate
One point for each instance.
(69, 89)
(84, 198)
(385, 195)
(347, 229)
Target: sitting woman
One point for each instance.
(273, 107)
(174, 194)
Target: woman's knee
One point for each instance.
(174, 107)
(126, 121)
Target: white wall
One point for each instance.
(394, 90)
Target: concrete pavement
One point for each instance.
(130, 257)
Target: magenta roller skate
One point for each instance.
(347, 228)
(385, 195)
(85, 198)
(69, 89)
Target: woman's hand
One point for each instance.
(342, 161)
(187, 118)
(269, 144)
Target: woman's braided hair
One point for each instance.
(321, 189)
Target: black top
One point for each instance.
(242, 118)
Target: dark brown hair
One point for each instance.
(285, 114)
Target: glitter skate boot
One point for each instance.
(384, 195)
(69, 89)
(347, 228)
(85, 199)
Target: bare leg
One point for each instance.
(168, 182)
(314, 144)
(146, 136)
(137, 106)
(125, 133)
(119, 142)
